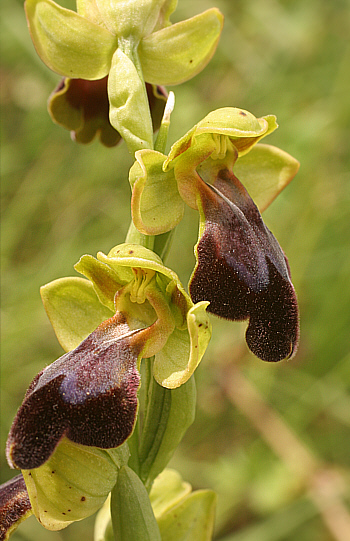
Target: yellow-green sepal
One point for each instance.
(74, 483)
(68, 43)
(177, 53)
(74, 309)
(242, 129)
(265, 171)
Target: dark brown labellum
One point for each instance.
(241, 269)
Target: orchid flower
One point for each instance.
(240, 268)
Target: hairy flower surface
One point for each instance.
(240, 267)
(79, 410)
(89, 395)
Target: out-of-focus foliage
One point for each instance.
(60, 200)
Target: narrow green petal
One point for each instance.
(156, 203)
(73, 309)
(192, 519)
(182, 353)
(177, 53)
(167, 9)
(68, 43)
(106, 281)
(265, 171)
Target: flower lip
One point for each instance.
(88, 395)
(242, 271)
(14, 505)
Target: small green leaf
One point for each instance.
(156, 203)
(73, 309)
(191, 519)
(132, 515)
(68, 43)
(265, 171)
(177, 53)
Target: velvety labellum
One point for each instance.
(14, 505)
(88, 395)
(242, 271)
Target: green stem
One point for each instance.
(135, 237)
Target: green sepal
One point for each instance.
(68, 43)
(167, 490)
(177, 53)
(131, 510)
(191, 519)
(168, 415)
(129, 110)
(74, 483)
(265, 171)
(156, 204)
(74, 309)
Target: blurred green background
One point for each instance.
(260, 442)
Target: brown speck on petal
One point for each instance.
(242, 271)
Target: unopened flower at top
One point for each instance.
(130, 41)
(240, 267)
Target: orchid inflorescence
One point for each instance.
(79, 436)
